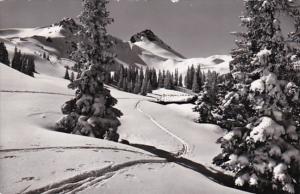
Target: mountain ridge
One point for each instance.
(144, 49)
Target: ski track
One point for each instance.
(34, 92)
(52, 93)
(185, 147)
(88, 179)
(71, 148)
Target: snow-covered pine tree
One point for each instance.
(263, 147)
(3, 54)
(91, 112)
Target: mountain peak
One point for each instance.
(68, 24)
(149, 34)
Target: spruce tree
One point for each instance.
(144, 86)
(137, 85)
(121, 78)
(23, 63)
(262, 146)
(199, 76)
(160, 80)
(3, 54)
(168, 81)
(141, 75)
(31, 66)
(187, 78)
(195, 87)
(91, 112)
(149, 87)
(154, 79)
(16, 61)
(180, 81)
(176, 78)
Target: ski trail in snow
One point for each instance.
(71, 148)
(185, 146)
(53, 93)
(34, 92)
(90, 178)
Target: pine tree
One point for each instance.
(130, 87)
(262, 146)
(31, 66)
(149, 87)
(16, 61)
(199, 76)
(192, 73)
(168, 81)
(125, 84)
(187, 78)
(3, 54)
(137, 85)
(154, 79)
(67, 74)
(160, 80)
(121, 78)
(195, 87)
(141, 75)
(180, 81)
(91, 112)
(144, 85)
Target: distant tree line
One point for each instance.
(21, 62)
(140, 81)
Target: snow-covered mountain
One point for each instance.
(147, 49)
(144, 49)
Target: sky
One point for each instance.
(195, 28)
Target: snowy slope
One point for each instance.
(34, 158)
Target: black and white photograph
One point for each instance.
(150, 96)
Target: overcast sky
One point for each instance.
(195, 28)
